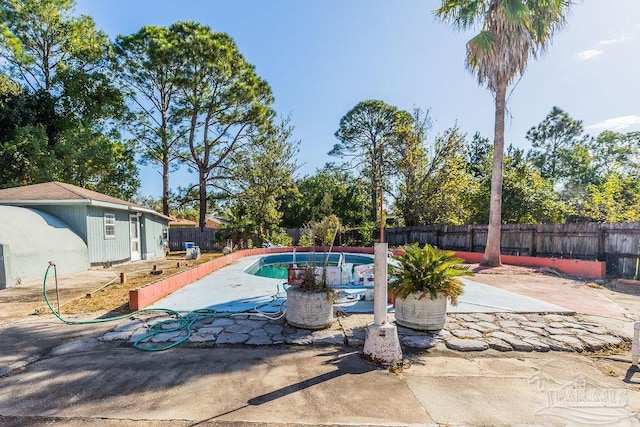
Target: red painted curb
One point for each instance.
(629, 282)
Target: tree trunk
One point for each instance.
(202, 183)
(165, 184)
(491, 256)
(374, 205)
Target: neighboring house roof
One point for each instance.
(54, 193)
(212, 223)
(215, 222)
(181, 222)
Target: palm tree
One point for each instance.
(512, 31)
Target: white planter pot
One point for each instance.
(309, 310)
(424, 314)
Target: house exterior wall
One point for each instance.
(73, 215)
(30, 238)
(103, 249)
(151, 230)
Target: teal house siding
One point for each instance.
(152, 230)
(108, 249)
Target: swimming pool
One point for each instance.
(342, 267)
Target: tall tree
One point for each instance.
(432, 182)
(221, 101)
(366, 134)
(147, 69)
(552, 140)
(411, 165)
(330, 190)
(263, 177)
(512, 31)
(614, 152)
(60, 61)
(41, 39)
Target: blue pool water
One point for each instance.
(275, 266)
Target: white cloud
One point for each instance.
(612, 41)
(589, 54)
(616, 123)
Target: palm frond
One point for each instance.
(428, 271)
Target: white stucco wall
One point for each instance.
(33, 239)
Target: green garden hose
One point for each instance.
(184, 321)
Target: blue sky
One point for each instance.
(323, 57)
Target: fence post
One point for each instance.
(532, 242)
(471, 236)
(601, 237)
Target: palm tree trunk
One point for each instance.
(491, 256)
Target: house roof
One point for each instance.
(212, 223)
(181, 222)
(60, 192)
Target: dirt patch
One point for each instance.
(503, 269)
(91, 291)
(115, 297)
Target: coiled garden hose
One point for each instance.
(185, 322)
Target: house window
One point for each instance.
(109, 225)
(165, 233)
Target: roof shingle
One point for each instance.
(57, 191)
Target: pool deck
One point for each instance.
(230, 289)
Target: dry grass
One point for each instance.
(115, 297)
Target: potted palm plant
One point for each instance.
(422, 282)
(310, 300)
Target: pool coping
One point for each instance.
(146, 295)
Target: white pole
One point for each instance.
(635, 345)
(380, 283)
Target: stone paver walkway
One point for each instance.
(462, 332)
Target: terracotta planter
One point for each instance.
(309, 310)
(424, 314)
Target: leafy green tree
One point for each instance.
(528, 198)
(433, 182)
(603, 186)
(321, 233)
(552, 141)
(366, 134)
(512, 30)
(67, 130)
(42, 42)
(479, 155)
(24, 150)
(147, 68)
(222, 103)
(263, 176)
(241, 225)
(410, 152)
(614, 152)
(330, 190)
(615, 199)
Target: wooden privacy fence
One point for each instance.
(208, 239)
(618, 244)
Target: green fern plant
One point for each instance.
(428, 271)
